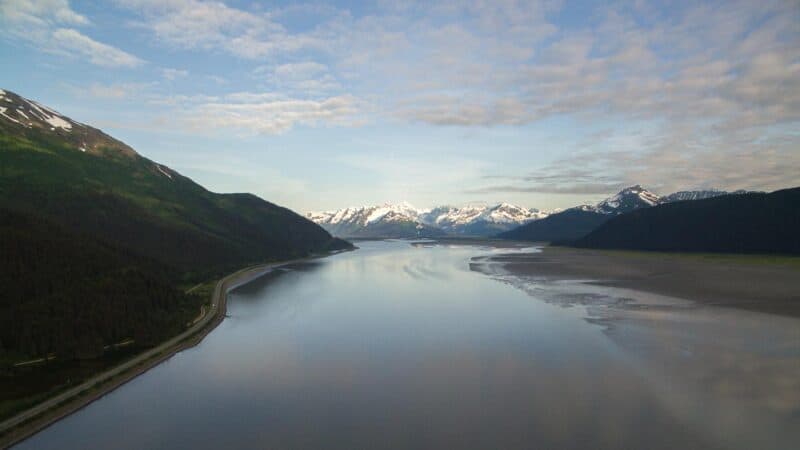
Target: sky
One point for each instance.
(322, 105)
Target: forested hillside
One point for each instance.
(148, 208)
(563, 226)
(744, 223)
(98, 241)
(69, 295)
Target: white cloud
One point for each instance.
(73, 42)
(115, 90)
(306, 79)
(40, 12)
(717, 86)
(712, 83)
(173, 74)
(267, 113)
(217, 79)
(194, 24)
(301, 70)
(47, 25)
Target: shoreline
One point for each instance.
(751, 282)
(40, 416)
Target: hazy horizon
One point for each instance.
(318, 106)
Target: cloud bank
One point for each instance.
(691, 94)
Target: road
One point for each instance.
(51, 410)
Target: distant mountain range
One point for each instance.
(404, 220)
(480, 220)
(503, 219)
(388, 220)
(745, 223)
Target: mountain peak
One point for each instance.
(635, 188)
(628, 199)
(21, 117)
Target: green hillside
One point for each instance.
(69, 295)
(98, 242)
(148, 208)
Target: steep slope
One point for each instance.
(19, 116)
(745, 223)
(564, 226)
(79, 177)
(70, 295)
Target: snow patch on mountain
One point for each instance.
(58, 122)
(158, 166)
(28, 113)
(3, 113)
(402, 211)
(20, 115)
(628, 199)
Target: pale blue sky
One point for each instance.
(322, 105)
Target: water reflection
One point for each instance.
(736, 372)
(400, 346)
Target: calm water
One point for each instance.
(396, 346)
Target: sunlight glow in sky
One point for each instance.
(322, 105)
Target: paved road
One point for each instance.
(141, 362)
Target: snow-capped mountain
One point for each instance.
(30, 114)
(387, 220)
(577, 221)
(636, 197)
(628, 199)
(403, 220)
(480, 220)
(19, 115)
